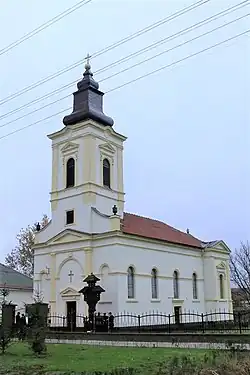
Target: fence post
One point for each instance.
(202, 322)
(239, 317)
(169, 323)
(139, 323)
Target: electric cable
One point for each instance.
(128, 57)
(106, 49)
(44, 26)
(132, 81)
(130, 67)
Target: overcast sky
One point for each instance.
(187, 157)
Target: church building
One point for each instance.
(143, 264)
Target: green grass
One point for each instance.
(79, 358)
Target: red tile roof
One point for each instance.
(150, 228)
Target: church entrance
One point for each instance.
(177, 314)
(71, 315)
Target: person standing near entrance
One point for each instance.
(22, 327)
(111, 319)
(18, 318)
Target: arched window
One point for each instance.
(154, 283)
(106, 172)
(176, 284)
(221, 287)
(70, 173)
(131, 282)
(195, 292)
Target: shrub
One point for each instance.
(37, 331)
(37, 340)
(213, 363)
(5, 338)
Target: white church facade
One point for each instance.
(143, 264)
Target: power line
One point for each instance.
(126, 58)
(132, 81)
(131, 67)
(172, 48)
(44, 26)
(106, 49)
(178, 61)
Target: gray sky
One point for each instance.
(188, 124)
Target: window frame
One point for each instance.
(194, 286)
(107, 168)
(67, 185)
(154, 284)
(176, 287)
(131, 282)
(66, 219)
(221, 286)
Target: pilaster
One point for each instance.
(115, 222)
(229, 292)
(89, 159)
(53, 284)
(54, 168)
(88, 264)
(88, 251)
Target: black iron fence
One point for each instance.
(188, 322)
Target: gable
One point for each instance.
(219, 246)
(106, 147)
(222, 246)
(221, 266)
(70, 147)
(69, 292)
(67, 236)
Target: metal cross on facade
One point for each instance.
(70, 276)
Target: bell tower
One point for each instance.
(87, 164)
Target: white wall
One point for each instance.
(41, 281)
(166, 260)
(111, 258)
(86, 180)
(20, 298)
(144, 256)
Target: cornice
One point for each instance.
(88, 123)
(88, 187)
(69, 147)
(118, 236)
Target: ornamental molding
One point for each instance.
(70, 150)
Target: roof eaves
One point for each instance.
(161, 240)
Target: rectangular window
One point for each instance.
(70, 217)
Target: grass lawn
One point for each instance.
(79, 358)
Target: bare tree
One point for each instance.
(21, 257)
(240, 270)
